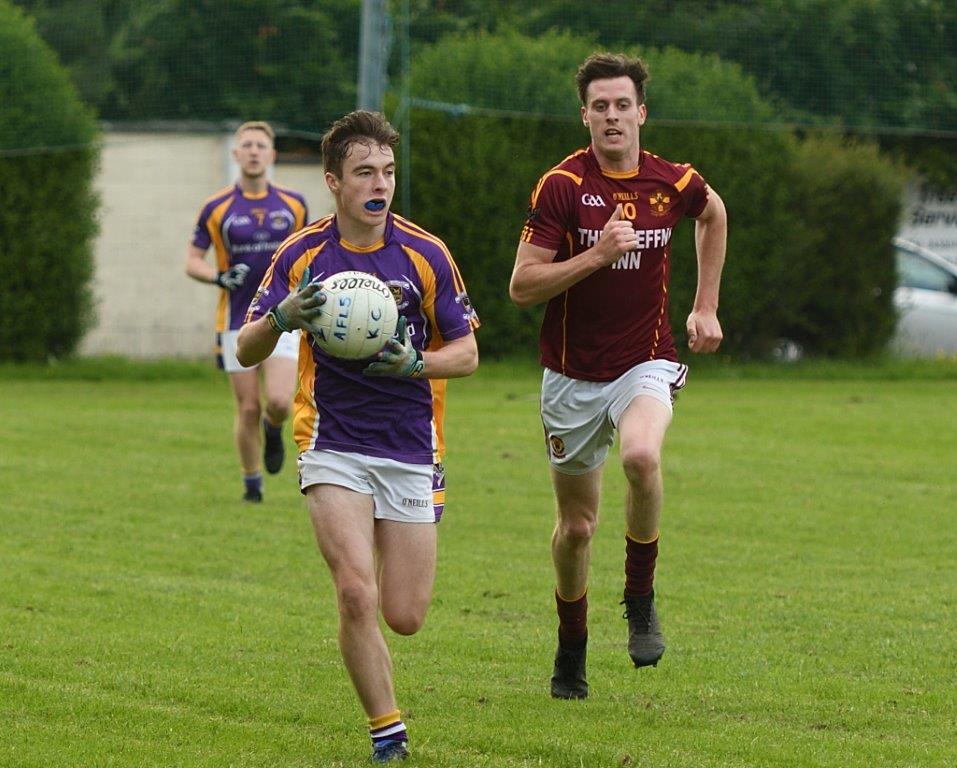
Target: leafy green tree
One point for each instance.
(47, 206)
(859, 63)
(283, 60)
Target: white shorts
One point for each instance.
(400, 492)
(287, 346)
(580, 417)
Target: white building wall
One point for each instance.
(151, 187)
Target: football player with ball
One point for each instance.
(369, 428)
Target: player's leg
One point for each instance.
(280, 374)
(578, 434)
(405, 539)
(344, 527)
(577, 498)
(245, 386)
(642, 429)
(645, 395)
(406, 565)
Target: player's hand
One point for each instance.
(704, 332)
(617, 238)
(398, 358)
(233, 277)
(299, 309)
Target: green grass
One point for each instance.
(806, 583)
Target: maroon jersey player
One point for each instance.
(597, 247)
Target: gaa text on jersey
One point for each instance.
(593, 200)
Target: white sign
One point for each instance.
(930, 220)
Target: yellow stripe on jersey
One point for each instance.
(220, 193)
(413, 229)
(661, 312)
(299, 265)
(361, 248)
(438, 417)
(305, 421)
(214, 226)
(553, 172)
(621, 174)
(298, 209)
(427, 276)
(313, 229)
(684, 180)
(571, 250)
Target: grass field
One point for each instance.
(806, 583)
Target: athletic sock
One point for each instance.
(640, 560)
(270, 429)
(572, 620)
(388, 727)
(254, 483)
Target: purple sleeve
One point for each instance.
(201, 238)
(454, 315)
(275, 284)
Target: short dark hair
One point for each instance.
(359, 127)
(604, 66)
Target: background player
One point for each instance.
(369, 433)
(596, 246)
(246, 223)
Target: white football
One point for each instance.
(358, 317)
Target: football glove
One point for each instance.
(299, 309)
(233, 277)
(398, 358)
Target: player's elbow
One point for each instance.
(521, 295)
(471, 361)
(244, 352)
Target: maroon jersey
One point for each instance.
(617, 317)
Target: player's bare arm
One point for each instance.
(711, 234)
(255, 342)
(456, 358)
(197, 267)
(536, 277)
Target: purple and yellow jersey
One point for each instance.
(617, 317)
(246, 229)
(337, 407)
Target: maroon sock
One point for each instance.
(572, 621)
(639, 566)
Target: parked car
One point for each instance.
(926, 302)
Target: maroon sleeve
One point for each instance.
(551, 210)
(695, 195)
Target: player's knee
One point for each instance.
(357, 599)
(404, 622)
(249, 410)
(278, 410)
(640, 462)
(578, 530)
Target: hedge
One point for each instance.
(47, 206)
(792, 202)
